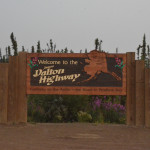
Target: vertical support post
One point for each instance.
(3, 92)
(17, 100)
(22, 97)
(12, 89)
(147, 97)
(140, 93)
(130, 102)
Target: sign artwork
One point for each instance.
(94, 73)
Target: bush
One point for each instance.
(84, 117)
(108, 111)
(54, 108)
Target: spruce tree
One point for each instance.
(66, 50)
(138, 52)
(148, 54)
(144, 49)
(4, 60)
(32, 49)
(100, 45)
(9, 51)
(0, 55)
(71, 51)
(38, 47)
(148, 51)
(54, 48)
(51, 45)
(85, 51)
(143, 53)
(6, 49)
(44, 50)
(48, 50)
(23, 50)
(116, 50)
(14, 44)
(96, 43)
(57, 51)
(62, 51)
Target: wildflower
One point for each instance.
(33, 62)
(119, 63)
(104, 97)
(96, 103)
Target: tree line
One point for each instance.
(51, 48)
(143, 50)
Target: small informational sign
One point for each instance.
(94, 73)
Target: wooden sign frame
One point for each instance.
(90, 66)
(15, 84)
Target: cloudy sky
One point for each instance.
(75, 23)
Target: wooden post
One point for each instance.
(3, 92)
(12, 89)
(17, 101)
(22, 97)
(140, 93)
(130, 103)
(147, 97)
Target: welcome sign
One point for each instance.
(94, 73)
(54, 72)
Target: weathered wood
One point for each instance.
(22, 98)
(140, 93)
(130, 102)
(3, 92)
(12, 89)
(93, 66)
(11, 83)
(147, 97)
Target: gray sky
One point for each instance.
(75, 23)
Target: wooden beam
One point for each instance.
(130, 103)
(147, 97)
(3, 92)
(12, 89)
(140, 93)
(22, 97)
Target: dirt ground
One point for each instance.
(73, 136)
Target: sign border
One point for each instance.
(75, 90)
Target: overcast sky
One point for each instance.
(75, 23)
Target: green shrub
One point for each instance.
(84, 117)
(65, 108)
